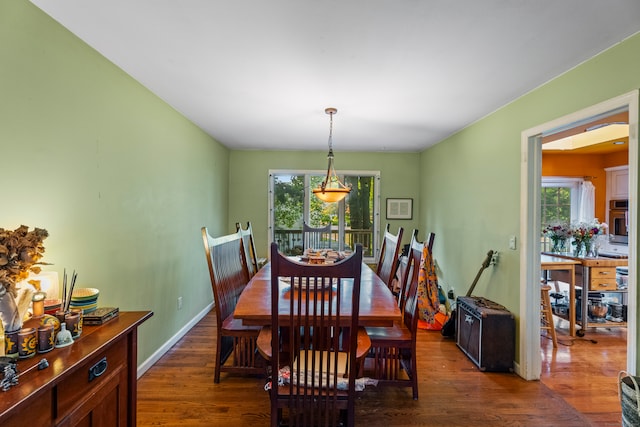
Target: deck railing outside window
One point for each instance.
(290, 241)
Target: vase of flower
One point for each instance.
(577, 250)
(9, 314)
(559, 244)
(583, 233)
(587, 247)
(557, 233)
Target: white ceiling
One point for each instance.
(403, 74)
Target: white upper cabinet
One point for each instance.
(617, 183)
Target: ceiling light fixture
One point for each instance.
(331, 190)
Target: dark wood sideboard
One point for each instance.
(92, 382)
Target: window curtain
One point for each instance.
(586, 207)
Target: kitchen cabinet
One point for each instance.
(92, 382)
(617, 183)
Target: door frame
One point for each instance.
(530, 180)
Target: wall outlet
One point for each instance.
(494, 258)
(451, 294)
(179, 303)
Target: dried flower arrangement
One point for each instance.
(20, 253)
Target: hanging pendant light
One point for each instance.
(331, 190)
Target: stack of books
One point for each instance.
(100, 315)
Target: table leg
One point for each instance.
(572, 301)
(584, 306)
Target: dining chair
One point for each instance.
(253, 262)
(229, 275)
(316, 237)
(388, 259)
(318, 341)
(408, 271)
(393, 348)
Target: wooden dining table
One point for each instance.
(378, 306)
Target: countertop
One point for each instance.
(591, 261)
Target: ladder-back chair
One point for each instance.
(229, 275)
(253, 262)
(388, 259)
(402, 295)
(316, 237)
(393, 349)
(318, 338)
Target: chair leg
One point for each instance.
(410, 366)
(414, 376)
(216, 374)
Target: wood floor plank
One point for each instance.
(576, 389)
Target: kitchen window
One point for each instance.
(354, 220)
(559, 202)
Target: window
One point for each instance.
(353, 220)
(558, 203)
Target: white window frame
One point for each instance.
(573, 183)
(341, 208)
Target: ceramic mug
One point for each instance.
(46, 338)
(81, 321)
(60, 315)
(73, 320)
(11, 344)
(27, 343)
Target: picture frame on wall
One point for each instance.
(399, 208)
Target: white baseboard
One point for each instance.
(144, 367)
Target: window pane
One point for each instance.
(556, 204)
(359, 213)
(555, 208)
(288, 208)
(321, 213)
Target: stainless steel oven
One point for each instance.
(619, 221)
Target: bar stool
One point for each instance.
(546, 314)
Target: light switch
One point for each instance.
(512, 242)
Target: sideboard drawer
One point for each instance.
(89, 377)
(603, 279)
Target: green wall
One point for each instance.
(249, 173)
(121, 181)
(474, 206)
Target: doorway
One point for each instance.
(531, 171)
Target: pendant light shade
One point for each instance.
(331, 190)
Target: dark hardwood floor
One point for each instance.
(578, 388)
